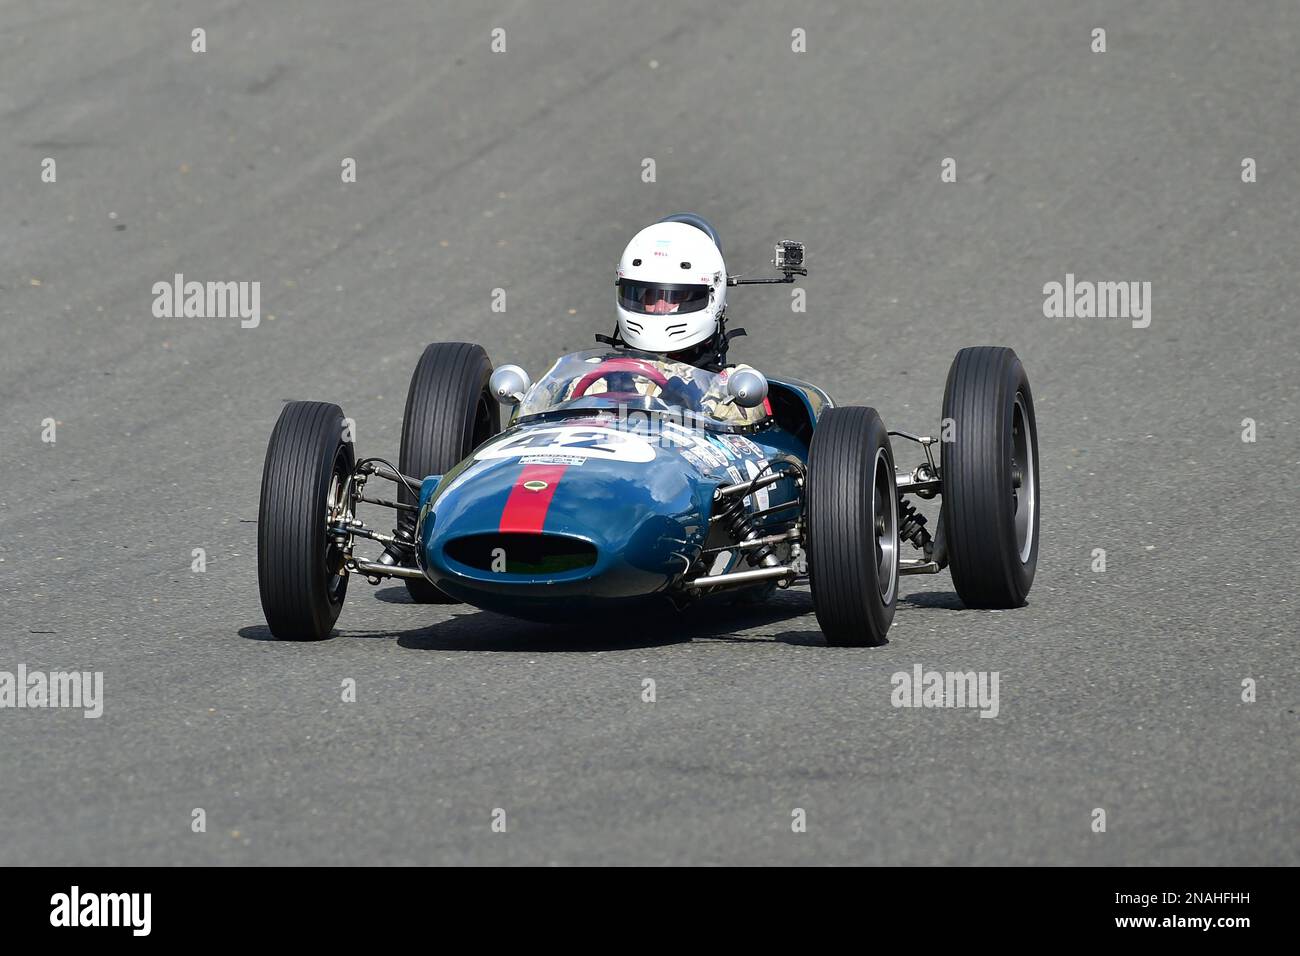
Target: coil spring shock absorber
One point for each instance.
(742, 527)
(911, 526)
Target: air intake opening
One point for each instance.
(511, 553)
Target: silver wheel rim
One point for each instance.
(336, 511)
(1024, 479)
(884, 524)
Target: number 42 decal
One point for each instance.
(602, 443)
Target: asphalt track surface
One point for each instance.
(521, 170)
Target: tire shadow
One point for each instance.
(935, 600)
(391, 595)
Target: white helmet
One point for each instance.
(672, 288)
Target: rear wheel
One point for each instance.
(852, 523)
(449, 413)
(299, 565)
(990, 478)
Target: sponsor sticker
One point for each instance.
(742, 446)
(724, 449)
(760, 497)
(694, 459)
(553, 460)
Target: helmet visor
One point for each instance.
(661, 298)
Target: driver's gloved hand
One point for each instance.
(686, 390)
(620, 382)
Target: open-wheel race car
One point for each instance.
(624, 478)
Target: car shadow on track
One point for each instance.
(468, 629)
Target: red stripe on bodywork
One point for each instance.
(525, 511)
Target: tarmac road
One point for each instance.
(522, 170)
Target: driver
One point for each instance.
(672, 297)
(672, 292)
(659, 302)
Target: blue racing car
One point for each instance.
(624, 478)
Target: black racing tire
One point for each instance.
(299, 569)
(990, 469)
(851, 520)
(449, 413)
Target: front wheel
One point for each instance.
(449, 412)
(990, 478)
(300, 571)
(852, 525)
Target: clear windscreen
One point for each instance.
(636, 381)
